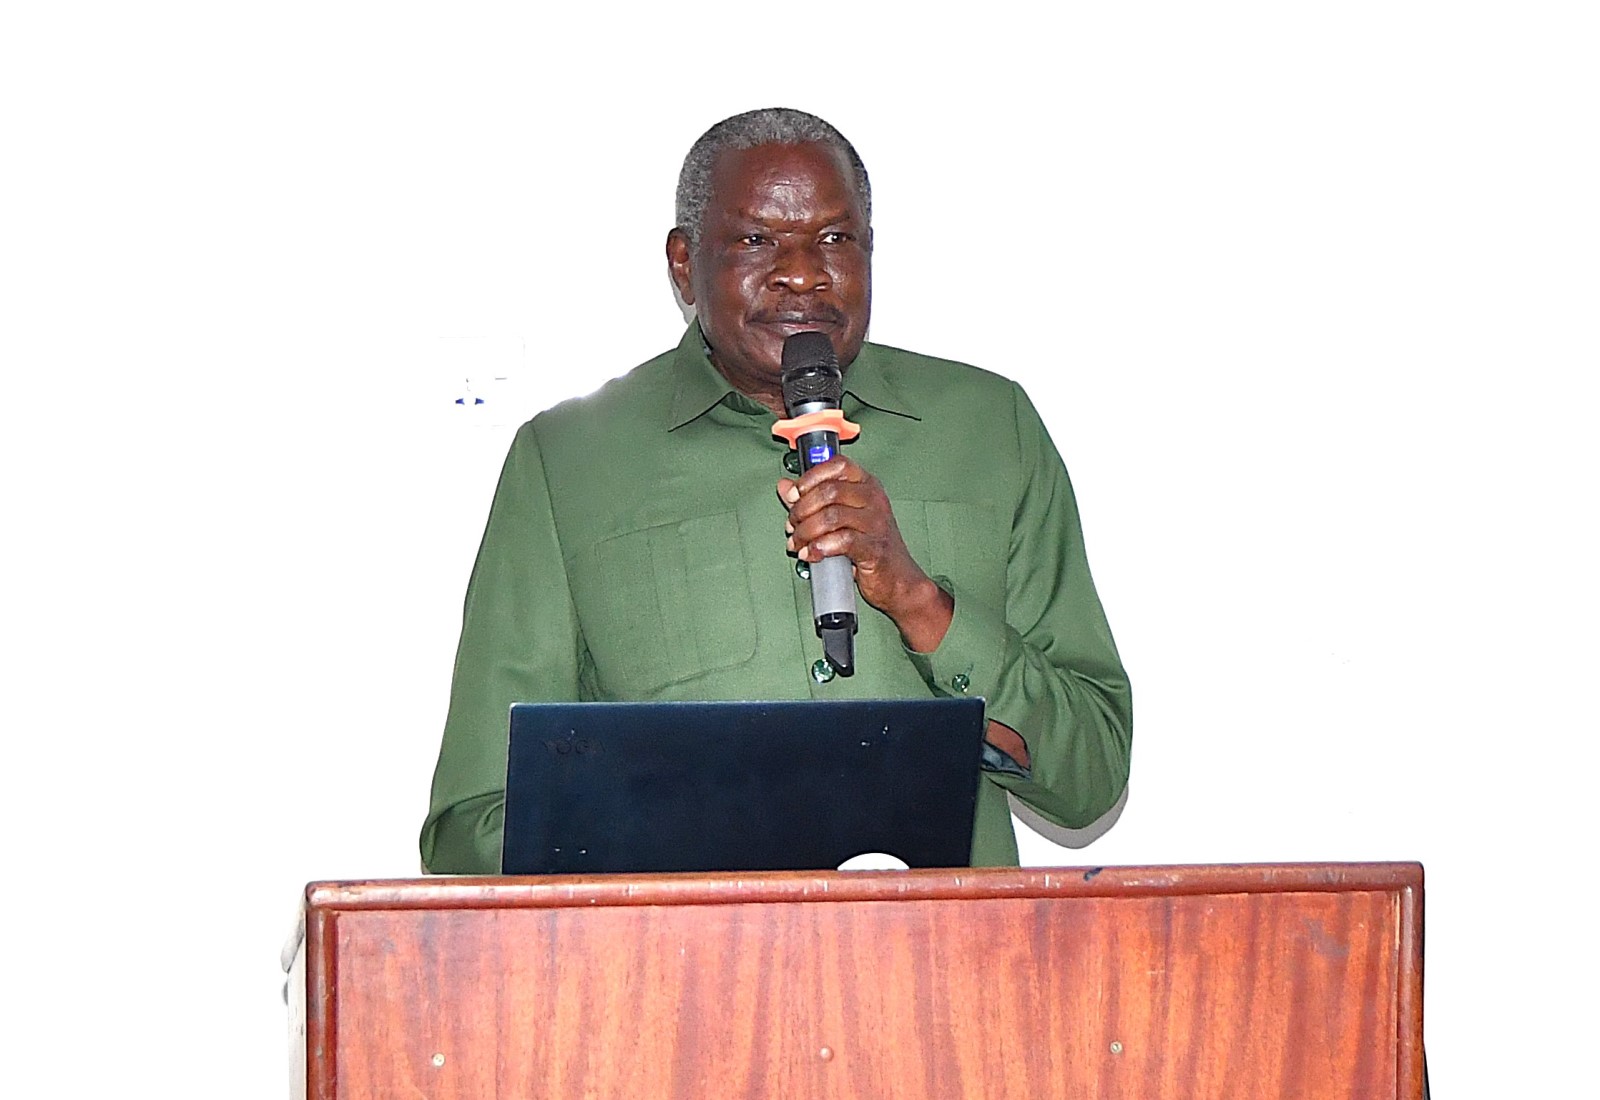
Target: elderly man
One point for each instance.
(651, 541)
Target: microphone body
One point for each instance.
(812, 383)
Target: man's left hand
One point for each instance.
(838, 508)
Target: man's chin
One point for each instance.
(759, 351)
(772, 335)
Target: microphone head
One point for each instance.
(811, 374)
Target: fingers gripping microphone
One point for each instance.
(813, 386)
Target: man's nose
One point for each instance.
(799, 268)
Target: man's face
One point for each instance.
(785, 248)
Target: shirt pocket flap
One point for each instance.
(664, 604)
(965, 541)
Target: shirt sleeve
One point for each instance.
(1045, 664)
(520, 642)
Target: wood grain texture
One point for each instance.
(1125, 982)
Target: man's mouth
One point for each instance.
(790, 323)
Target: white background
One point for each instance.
(1306, 296)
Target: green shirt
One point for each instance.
(635, 551)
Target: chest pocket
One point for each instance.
(665, 604)
(967, 542)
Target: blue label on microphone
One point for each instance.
(818, 454)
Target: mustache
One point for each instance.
(817, 313)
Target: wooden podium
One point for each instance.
(1299, 981)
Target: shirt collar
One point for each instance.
(701, 386)
(869, 381)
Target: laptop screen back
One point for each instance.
(738, 786)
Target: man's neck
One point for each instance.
(768, 394)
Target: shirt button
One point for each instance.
(791, 462)
(802, 569)
(960, 682)
(822, 671)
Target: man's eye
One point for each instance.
(838, 236)
(752, 239)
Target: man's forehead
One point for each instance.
(754, 180)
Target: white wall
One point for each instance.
(1306, 297)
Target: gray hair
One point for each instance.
(768, 126)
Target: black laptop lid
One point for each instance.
(738, 786)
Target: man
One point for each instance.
(647, 542)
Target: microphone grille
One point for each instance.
(811, 372)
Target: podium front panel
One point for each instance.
(1226, 982)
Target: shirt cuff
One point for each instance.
(969, 661)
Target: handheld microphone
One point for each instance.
(813, 387)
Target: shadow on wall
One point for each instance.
(1070, 838)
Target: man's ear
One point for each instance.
(680, 266)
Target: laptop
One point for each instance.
(600, 788)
